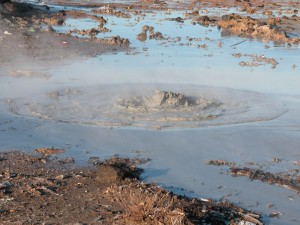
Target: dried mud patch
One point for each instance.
(255, 28)
(108, 192)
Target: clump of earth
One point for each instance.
(164, 100)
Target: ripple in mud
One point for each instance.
(144, 106)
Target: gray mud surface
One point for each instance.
(149, 108)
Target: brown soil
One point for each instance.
(249, 27)
(39, 189)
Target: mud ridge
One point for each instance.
(281, 179)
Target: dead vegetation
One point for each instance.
(144, 204)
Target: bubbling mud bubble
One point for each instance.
(169, 107)
(163, 100)
(145, 106)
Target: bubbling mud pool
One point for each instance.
(150, 106)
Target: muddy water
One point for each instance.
(257, 115)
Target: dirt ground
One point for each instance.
(25, 38)
(41, 188)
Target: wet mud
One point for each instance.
(162, 100)
(190, 107)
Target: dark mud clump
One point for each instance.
(152, 34)
(38, 191)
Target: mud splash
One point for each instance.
(163, 100)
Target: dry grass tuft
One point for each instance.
(150, 205)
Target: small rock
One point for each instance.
(60, 177)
